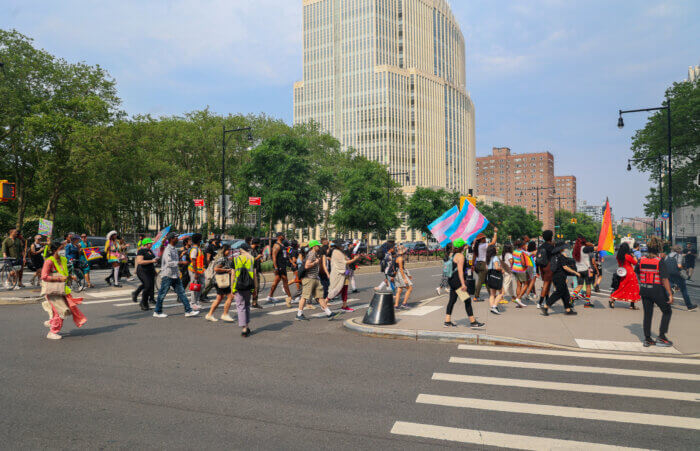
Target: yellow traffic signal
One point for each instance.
(8, 191)
(471, 199)
(574, 220)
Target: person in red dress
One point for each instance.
(628, 291)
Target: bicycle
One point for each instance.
(7, 280)
(77, 284)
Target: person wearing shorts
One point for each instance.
(311, 283)
(280, 263)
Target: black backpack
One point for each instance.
(542, 257)
(244, 282)
(381, 253)
(301, 270)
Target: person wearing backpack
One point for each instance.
(196, 270)
(560, 265)
(384, 255)
(446, 268)
(458, 286)
(243, 286)
(542, 260)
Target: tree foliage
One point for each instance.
(650, 147)
(512, 221)
(426, 205)
(584, 226)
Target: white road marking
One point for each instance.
(577, 368)
(587, 355)
(634, 346)
(356, 307)
(421, 310)
(496, 439)
(109, 294)
(579, 388)
(561, 411)
(294, 309)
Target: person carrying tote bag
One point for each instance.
(223, 270)
(59, 302)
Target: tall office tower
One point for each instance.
(387, 78)
(566, 192)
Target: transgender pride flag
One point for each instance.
(441, 224)
(467, 224)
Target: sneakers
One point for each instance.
(191, 313)
(301, 318)
(570, 312)
(196, 306)
(347, 309)
(502, 301)
(227, 318)
(545, 311)
(47, 323)
(133, 297)
(53, 336)
(663, 342)
(495, 311)
(449, 324)
(256, 305)
(211, 318)
(288, 301)
(354, 290)
(692, 307)
(589, 304)
(271, 300)
(438, 291)
(159, 315)
(540, 304)
(519, 303)
(332, 316)
(476, 325)
(649, 342)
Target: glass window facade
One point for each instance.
(387, 78)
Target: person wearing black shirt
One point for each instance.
(209, 253)
(561, 265)
(280, 263)
(146, 272)
(654, 288)
(546, 271)
(689, 256)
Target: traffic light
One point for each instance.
(7, 191)
(471, 199)
(574, 221)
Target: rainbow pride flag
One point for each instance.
(606, 238)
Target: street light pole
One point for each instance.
(661, 198)
(537, 189)
(667, 107)
(224, 140)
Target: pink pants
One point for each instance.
(56, 322)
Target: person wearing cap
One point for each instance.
(84, 243)
(146, 272)
(170, 262)
(457, 282)
(560, 266)
(279, 264)
(339, 275)
(113, 255)
(311, 283)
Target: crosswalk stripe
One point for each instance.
(561, 411)
(421, 311)
(576, 368)
(294, 309)
(587, 355)
(496, 439)
(109, 294)
(562, 386)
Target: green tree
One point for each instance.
(278, 170)
(650, 143)
(371, 201)
(426, 205)
(570, 231)
(512, 221)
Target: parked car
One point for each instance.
(434, 247)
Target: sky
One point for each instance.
(544, 75)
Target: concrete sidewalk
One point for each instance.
(598, 328)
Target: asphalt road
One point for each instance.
(127, 380)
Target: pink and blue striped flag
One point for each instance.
(441, 224)
(467, 224)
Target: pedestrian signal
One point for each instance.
(8, 191)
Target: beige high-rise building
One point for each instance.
(387, 78)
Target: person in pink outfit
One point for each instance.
(55, 269)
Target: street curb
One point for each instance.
(355, 325)
(21, 301)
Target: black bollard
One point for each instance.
(381, 309)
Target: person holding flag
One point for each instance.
(84, 260)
